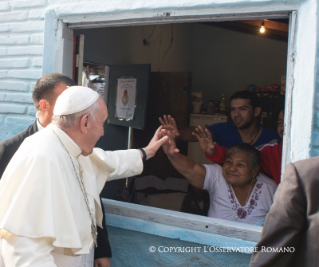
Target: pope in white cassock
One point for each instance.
(49, 193)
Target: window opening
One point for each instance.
(202, 59)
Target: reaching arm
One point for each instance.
(156, 142)
(205, 139)
(192, 171)
(212, 151)
(219, 155)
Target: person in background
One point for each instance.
(45, 94)
(270, 153)
(244, 128)
(238, 192)
(289, 237)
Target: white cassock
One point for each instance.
(43, 216)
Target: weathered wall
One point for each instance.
(224, 61)
(124, 45)
(221, 60)
(138, 236)
(130, 248)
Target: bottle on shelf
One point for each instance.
(222, 105)
(210, 107)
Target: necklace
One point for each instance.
(235, 206)
(81, 183)
(254, 135)
(251, 141)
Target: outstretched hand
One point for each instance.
(205, 140)
(169, 147)
(169, 124)
(156, 142)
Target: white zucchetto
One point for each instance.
(74, 99)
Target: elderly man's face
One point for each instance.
(96, 127)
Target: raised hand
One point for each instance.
(157, 141)
(169, 147)
(169, 124)
(205, 140)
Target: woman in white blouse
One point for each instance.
(238, 192)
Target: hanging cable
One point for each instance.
(146, 41)
(170, 45)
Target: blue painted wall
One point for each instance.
(131, 248)
(138, 242)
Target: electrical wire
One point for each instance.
(146, 41)
(170, 45)
(151, 33)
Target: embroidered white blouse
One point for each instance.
(223, 199)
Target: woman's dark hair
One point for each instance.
(250, 151)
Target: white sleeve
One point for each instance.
(112, 165)
(23, 251)
(213, 174)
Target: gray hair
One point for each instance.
(69, 121)
(250, 151)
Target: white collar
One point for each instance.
(39, 125)
(66, 140)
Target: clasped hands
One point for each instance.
(169, 128)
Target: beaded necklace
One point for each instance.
(81, 183)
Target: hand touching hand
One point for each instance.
(169, 124)
(169, 147)
(156, 142)
(205, 140)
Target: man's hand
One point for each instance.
(169, 147)
(157, 141)
(169, 124)
(205, 140)
(102, 262)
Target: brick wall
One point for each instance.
(21, 49)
